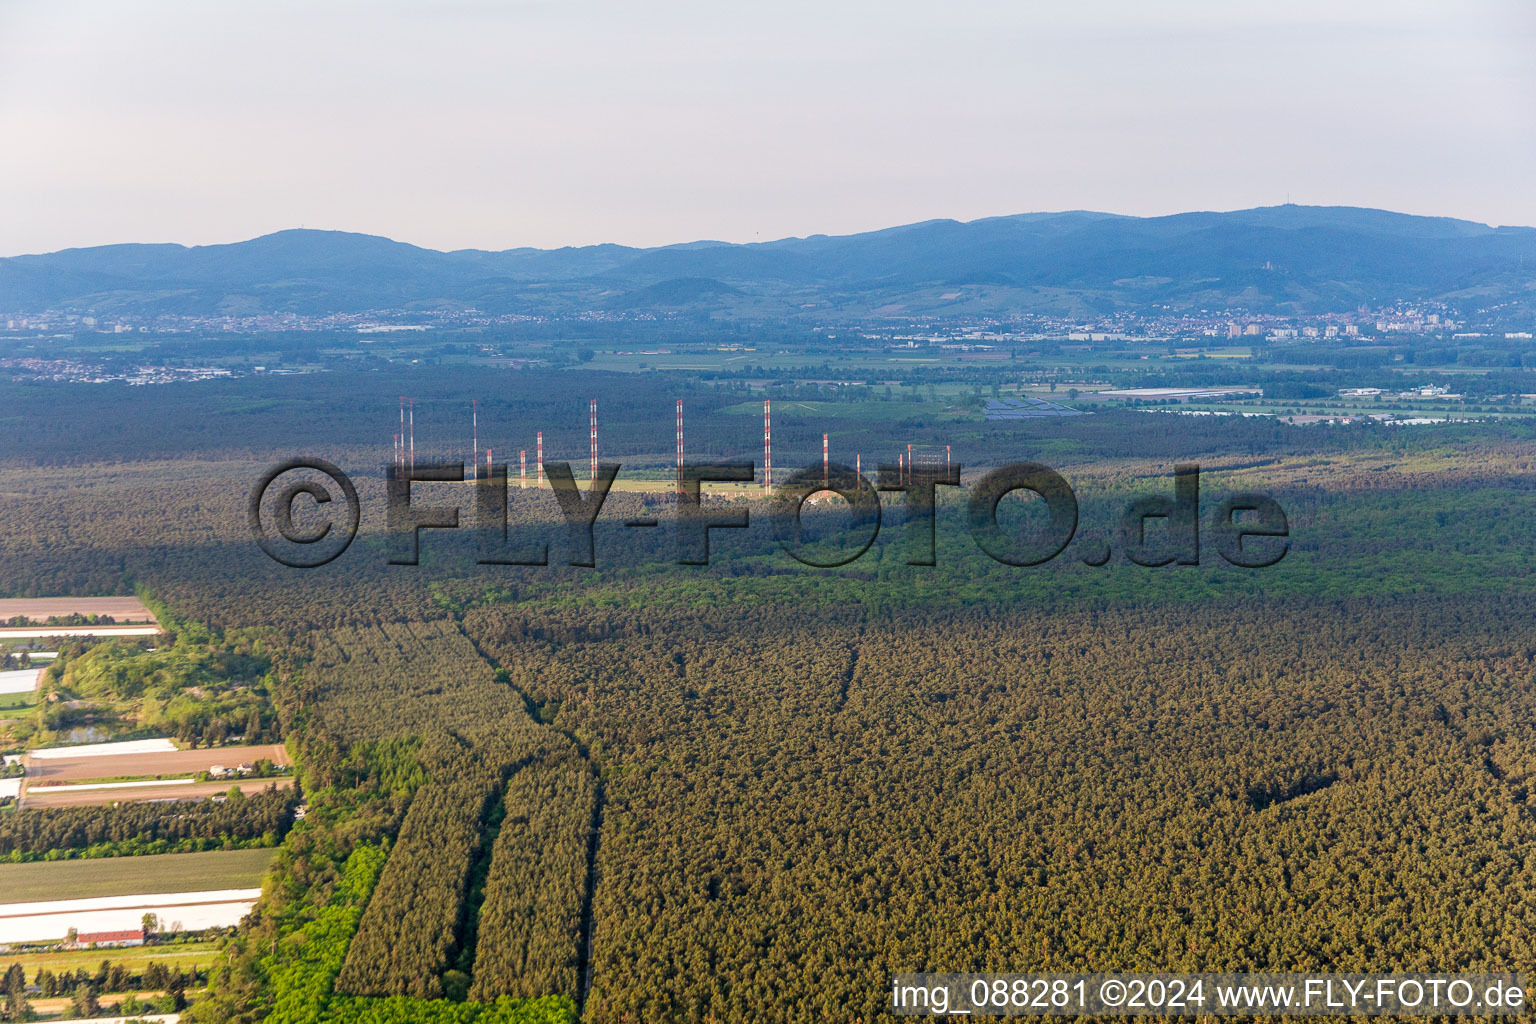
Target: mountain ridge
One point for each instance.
(1310, 259)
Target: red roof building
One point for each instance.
(128, 938)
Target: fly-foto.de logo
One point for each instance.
(1247, 530)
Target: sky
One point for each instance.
(504, 123)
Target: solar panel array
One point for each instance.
(1025, 409)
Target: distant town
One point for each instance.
(1405, 364)
(1417, 319)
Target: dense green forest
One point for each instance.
(178, 826)
(752, 790)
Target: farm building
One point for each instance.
(102, 940)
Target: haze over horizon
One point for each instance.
(494, 126)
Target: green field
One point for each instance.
(181, 954)
(125, 876)
(18, 701)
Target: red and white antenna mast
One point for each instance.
(522, 459)
(767, 447)
(679, 446)
(909, 463)
(824, 471)
(474, 444)
(541, 460)
(413, 435)
(396, 449)
(901, 468)
(594, 440)
(946, 460)
(400, 455)
(858, 463)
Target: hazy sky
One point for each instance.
(523, 122)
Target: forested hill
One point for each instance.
(1299, 258)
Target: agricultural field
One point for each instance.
(13, 704)
(51, 920)
(117, 748)
(122, 610)
(45, 768)
(14, 632)
(125, 876)
(114, 793)
(199, 955)
(19, 680)
(59, 1010)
